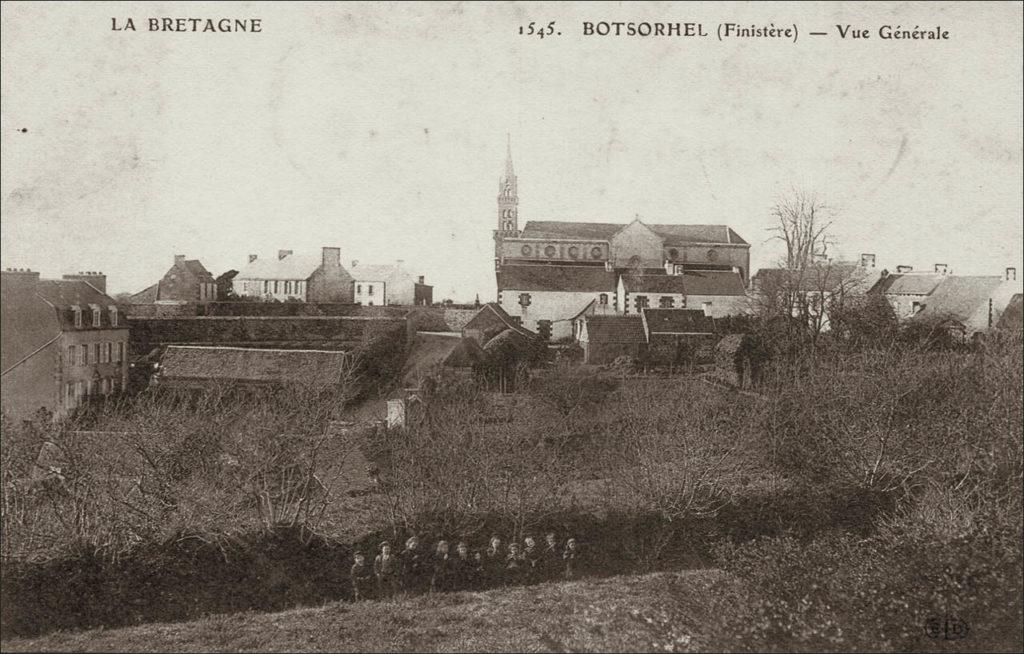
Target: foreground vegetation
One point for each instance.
(868, 495)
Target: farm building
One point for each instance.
(678, 336)
(202, 367)
(605, 338)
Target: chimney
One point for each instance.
(355, 262)
(252, 257)
(96, 279)
(942, 268)
(904, 269)
(331, 257)
(19, 278)
(281, 254)
(1011, 274)
(419, 280)
(178, 258)
(867, 260)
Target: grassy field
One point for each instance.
(626, 613)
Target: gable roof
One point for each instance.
(196, 268)
(672, 234)
(292, 266)
(615, 329)
(556, 278)
(1013, 314)
(65, 293)
(376, 273)
(678, 321)
(909, 284)
(959, 297)
(690, 282)
(492, 314)
(829, 276)
(200, 363)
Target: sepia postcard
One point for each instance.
(512, 326)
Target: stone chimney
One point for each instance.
(96, 279)
(904, 269)
(867, 260)
(19, 278)
(252, 257)
(178, 258)
(1011, 274)
(281, 254)
(330, 257)
(942, 268)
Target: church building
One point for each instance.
(549, 272)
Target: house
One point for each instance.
(717, 293)
(389, 284)
(546, 299)
(907, 291)
(678, 336)
(605, 338)
(970, 304)
(205, 367)
(187, 280)
(62, 340)
(807, 293)
(490, 321)
(303, 278)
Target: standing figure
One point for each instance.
(415, 573)
(362, 578)
(441, 580)
(550, 557)
(515, 564)
(463, 567)
(493, 562)
(531, 554)
(386, 569)
(570, 558)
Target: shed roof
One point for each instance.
(678, 321)
(615, 329)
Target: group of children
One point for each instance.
(416, 570)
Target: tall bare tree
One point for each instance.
(803, 224)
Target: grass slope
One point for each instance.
(613, 614)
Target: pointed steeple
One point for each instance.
(509, 170)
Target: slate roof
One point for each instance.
(196, 267)
(556, 278)
(237, 364)
(678, 321)
(828, 277)
(959, 297)
(691, 282)
(1013, 314)
(615, 329)
(374, 273)
(492, 313)
(909, 284)
(673, 234)
(293, 266)
(63, 294)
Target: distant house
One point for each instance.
(971, 304)
(389, 284)
(907, 291)
(303, 278)
(715, 292)
(202, 367)
(490, 321)
(807, 293)
(187, 280)
(62, 340)
(605, 338)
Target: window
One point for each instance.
(666, 302)
(277, 287)
(369, 289)
(83, 355)
(79, 388)
(71, 355)
(602, 299)
(359, 289)
(544, 329)
(108, 352)
(266, 286)
(95, 353)
(915, 307)
(118, 352)
(707, 308)
(524, 300)
(78, 315)
(640, 302)
(95, 315)
(115, 385)
(69, 394)
(113, 316)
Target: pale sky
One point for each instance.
(381, 129)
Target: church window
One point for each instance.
(666, 302)
(525, 250)
(524, 299)
(595, 252)
(602, 299)
(549, 251)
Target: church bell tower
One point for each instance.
(508, 205)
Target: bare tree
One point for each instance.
(802, 223)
